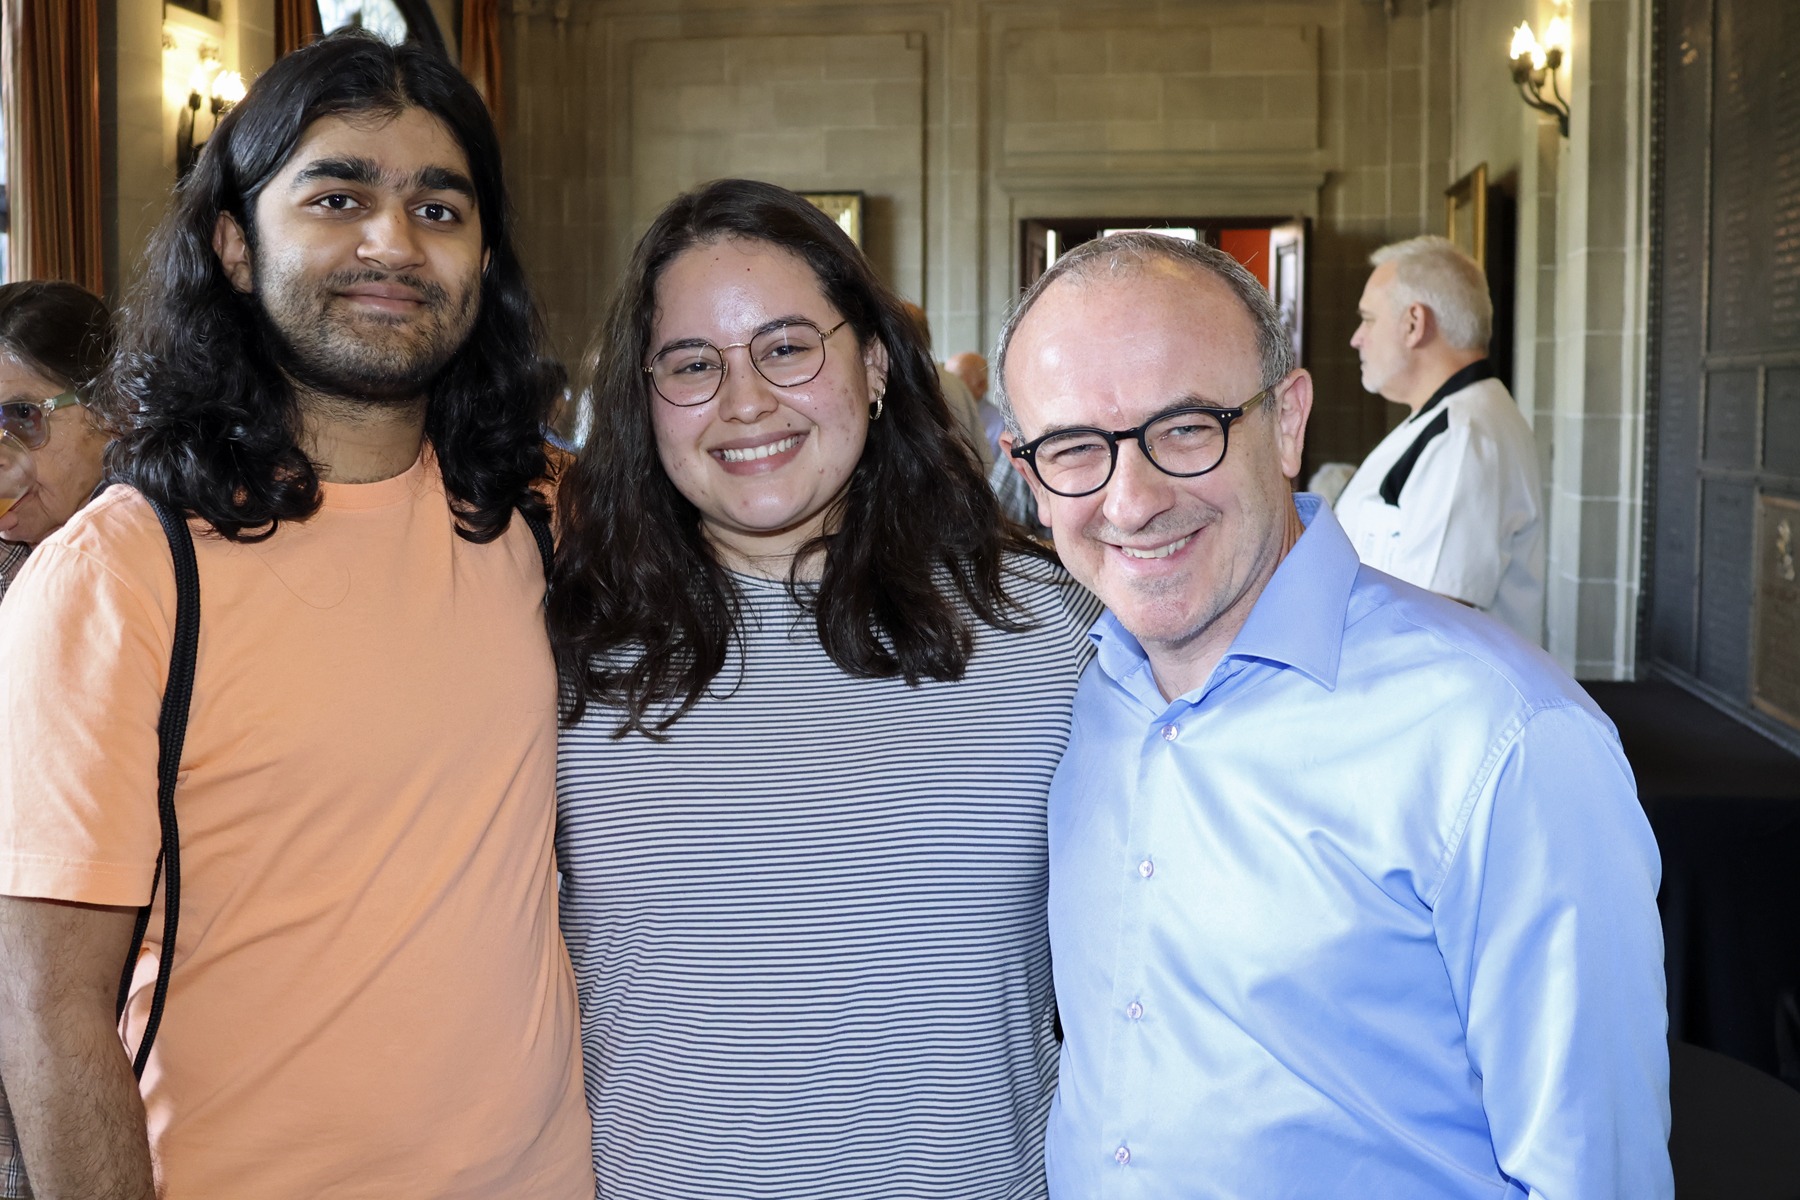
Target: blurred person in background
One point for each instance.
(54, 338)
(972, 369)
(1009, 486)
(964, 406)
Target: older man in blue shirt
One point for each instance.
(1350, 890)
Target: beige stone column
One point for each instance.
(1598, 415)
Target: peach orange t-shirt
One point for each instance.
(370, 996)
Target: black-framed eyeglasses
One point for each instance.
(29, 420)
(787, 355)
(1183, 442)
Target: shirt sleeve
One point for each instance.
(1454, 530)
(1548, 925)
(83, 661)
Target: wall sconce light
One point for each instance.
(216, 89)
(1534, 64)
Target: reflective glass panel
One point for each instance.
(380, 17)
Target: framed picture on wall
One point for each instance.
(846, 208)
(1465, 206)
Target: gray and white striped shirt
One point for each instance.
(809, 929)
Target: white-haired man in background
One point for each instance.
(1450, 499)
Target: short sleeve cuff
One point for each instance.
(41, 877)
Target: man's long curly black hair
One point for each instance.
(206, 421)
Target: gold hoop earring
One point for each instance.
(875, 407)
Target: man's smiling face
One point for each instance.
(1174, 559)
(365, 254)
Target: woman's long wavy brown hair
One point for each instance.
(642, 614)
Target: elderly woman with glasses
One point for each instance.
(54, 338)
(817, 691)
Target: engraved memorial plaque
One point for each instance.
(1775, 610)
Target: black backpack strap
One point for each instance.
(171, 732)
(540, 530)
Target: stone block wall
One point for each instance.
(814, 113)
(1169, 91)
(959, 118)
(1582, 292)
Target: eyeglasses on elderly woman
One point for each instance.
(29, 420)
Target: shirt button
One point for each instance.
(1146, 868)
(1121, 1156)
(1134, 1010)
(1171, 732)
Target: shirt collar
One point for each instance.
(1474, 373)
(1297, 622)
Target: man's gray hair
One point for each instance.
(1433, 272)
(1125, 254)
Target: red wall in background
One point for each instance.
(1250, 247)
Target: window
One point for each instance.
(1186, 233)
(380, 17)
(393, 21)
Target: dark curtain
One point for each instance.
(53, 114)
(481, 51)
(296, 25)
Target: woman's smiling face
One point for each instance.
(765, 465)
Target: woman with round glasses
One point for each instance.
(817, 696)
(54, 338)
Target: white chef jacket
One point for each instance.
(1462, 514)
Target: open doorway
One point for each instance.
(1274, 249)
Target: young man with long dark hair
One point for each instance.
(333, 367)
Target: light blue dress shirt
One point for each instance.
(1370, 913)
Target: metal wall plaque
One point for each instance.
(1775, 610)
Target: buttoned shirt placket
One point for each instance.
(1157, 789)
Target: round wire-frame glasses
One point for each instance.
(1183, 442)
(692, 371)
